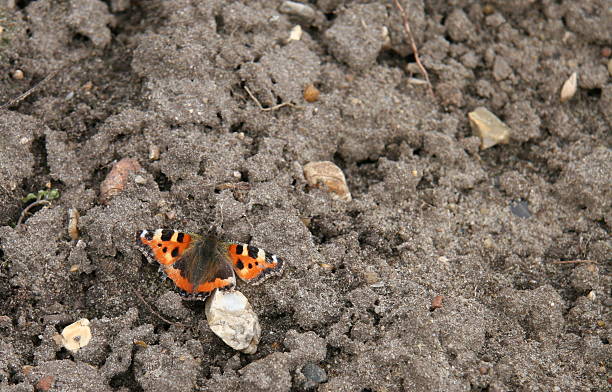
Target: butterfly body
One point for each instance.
(200, 264)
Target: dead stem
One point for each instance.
(28, 208)
(26, 94)
(275, 107)
(572, 261)
(413, 45)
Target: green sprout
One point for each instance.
(50, 194)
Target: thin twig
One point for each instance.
(28, 208)
(26, 94)
(413, 44)
(275, 107)
(241, 186)
(154, 312)
(572, 261)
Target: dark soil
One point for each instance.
(431, 214)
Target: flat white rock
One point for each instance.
(231, 317)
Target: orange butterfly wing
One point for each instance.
(196, 266)
(252, 264)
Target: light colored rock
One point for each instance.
(231, 317)
(297, 9)
(76, 336)
(296, 33)
(490, 129)
(569, 87)
(327, 175)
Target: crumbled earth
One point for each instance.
(206, 96)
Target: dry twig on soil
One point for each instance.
(28, 208)
(410, 38)
(26, 94)
(572, 261)
(275, 107)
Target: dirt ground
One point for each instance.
(515, 238)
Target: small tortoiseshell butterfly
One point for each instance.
(200, 264)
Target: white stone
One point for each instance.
(296, 33)
(569, 87)
(77, 335)
(231, 317)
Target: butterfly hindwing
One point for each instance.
(252, 264)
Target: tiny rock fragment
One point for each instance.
(314, 375)
(488, 9)
(140, 180)
(296, 33)
(610, 67)
(311, 93)
(141, 343)
(606, 52)
(328, 176)
(297, 9)
(490, 129)
(17, 74)
(154, 152)
(73, 223)
(436, 302)
(569, 87)
(231, 317)
(116, 180)
(45, 383)
(385, 38)
(88, 86)
(520, 208)
(76, 336)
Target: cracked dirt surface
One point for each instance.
(165, 83)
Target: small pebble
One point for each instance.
(592, 296)
(73, 223)
(606, 52)
(17, 74)
(314, 373)
(488, 9)
(569, 87)
(488, 243)
(296, 33)
(88, 86)
(520, 208)
(297, 9)
(436, 302)
(490, 129)
(231, 317)
(328, 176)
(154, 152)
(76, 336)
(45, 383)
(140, 180)
(116, 180)
(311, 93)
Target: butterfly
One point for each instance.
(200, 264)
